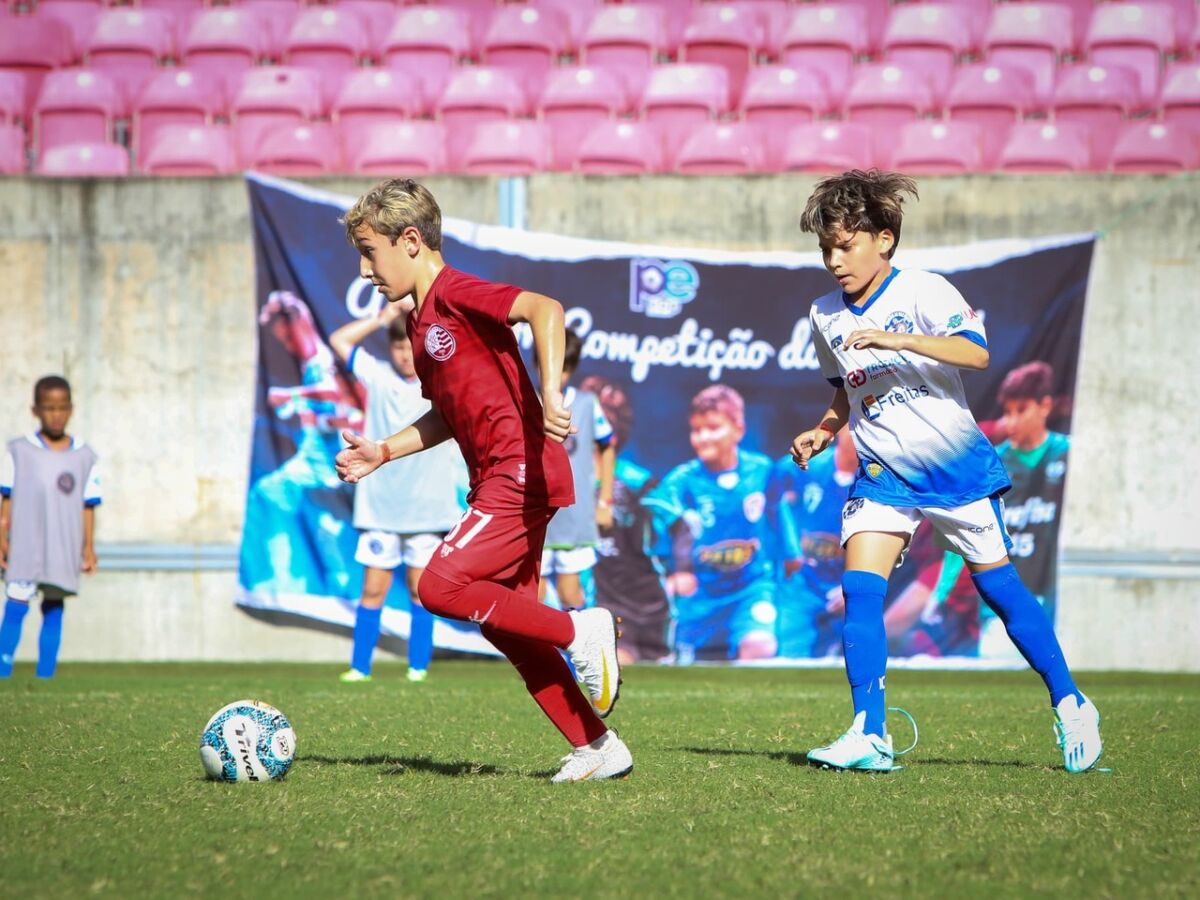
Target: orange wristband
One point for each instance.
(385, 451)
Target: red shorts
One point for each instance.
(502, 546)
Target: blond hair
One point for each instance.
(394, 205)
(870, 201)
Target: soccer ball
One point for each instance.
(247, 741)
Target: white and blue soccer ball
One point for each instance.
(247, 741)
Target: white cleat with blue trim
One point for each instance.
(1078, 728)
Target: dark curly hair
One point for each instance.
(870, 201)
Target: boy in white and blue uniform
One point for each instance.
(891, 342)
(403, 513)
(720, 537)
(49, 491)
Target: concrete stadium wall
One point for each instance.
(141, 292)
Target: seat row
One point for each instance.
(528, 38)
(624, 147)
(84, 105)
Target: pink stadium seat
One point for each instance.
(681, 96)
(190, 150)
(939, 148)
(574, 99)
(1181, 94)
(1034, 36)
(271, 96)
(476, 94)
(829, 147)
(176, 97)
(1081, 15)
(930, 35)
(34, 45)
(827, 38)
(626, 39)
(993, 96)
(724, 34)
(723, 148)
(277, 17)
(776, 98)
(527, 42)
(130, 44)
(12, 149)
(1145, 146)
(427, 42)
(620, 147)
(226, 41)
(888, 94)
(75, 106)
(307, 148)
(78, 15)
(1047, 147)
(83, 160)
(578, 14)
(515, 147)
(1137, 35)
(329, 41)
(417, 148)
(375, 95)
(1098, 95)
(13, 107)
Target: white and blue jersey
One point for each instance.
(918, 444)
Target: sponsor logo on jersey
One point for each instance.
(852, 506)
(728, 556)
(1056, 470)
(885, 367)
(899, 323)
(873, 407)
(659, 288)
(835, 343)
(1034, 511)
(955, 321)
(439, 343)
(753, 506)
(857, 378)
(820, 546)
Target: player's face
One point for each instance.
(402, 358)
(1025, 421)
(715, 438)
(53, 410)
(857, 259)
(387, 265)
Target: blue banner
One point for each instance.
(659, 325)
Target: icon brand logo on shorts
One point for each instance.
(955, 321)
(66, 482)
(899, 323)
(439, 343)
(852, 507)
(659, 289)
(857, 378)
(376, 546)
(874, 469)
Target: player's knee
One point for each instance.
(439, 595)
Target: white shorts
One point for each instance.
(976, 531)
(568, 562)
(387, 550)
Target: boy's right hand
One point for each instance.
(808, 444)
(556, 418)
(358, 460)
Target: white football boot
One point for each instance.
(1078, 728)
(594, 655)
(605, 757)
(857, 750)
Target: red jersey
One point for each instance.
(470, 367)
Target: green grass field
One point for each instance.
(441, 789)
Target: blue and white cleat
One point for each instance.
(1078, 728)
(857, 750)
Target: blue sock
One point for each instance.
(366, 636)
(864, 642)
(420, 638)
(10, 634)
(50, 638)
(1029, 628)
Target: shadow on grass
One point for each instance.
(796, 758)
(398, 765)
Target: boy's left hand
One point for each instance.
(556, 418)
(89, 560)
(866, 338)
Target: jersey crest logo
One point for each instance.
(753, 506)
(66, 482)
(899, 323)
(874, 469)
(852, 507)
(439, 343)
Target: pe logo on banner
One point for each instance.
(660, 289)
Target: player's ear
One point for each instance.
(412, 240)
(885, 240)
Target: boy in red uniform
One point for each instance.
(486, 569)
